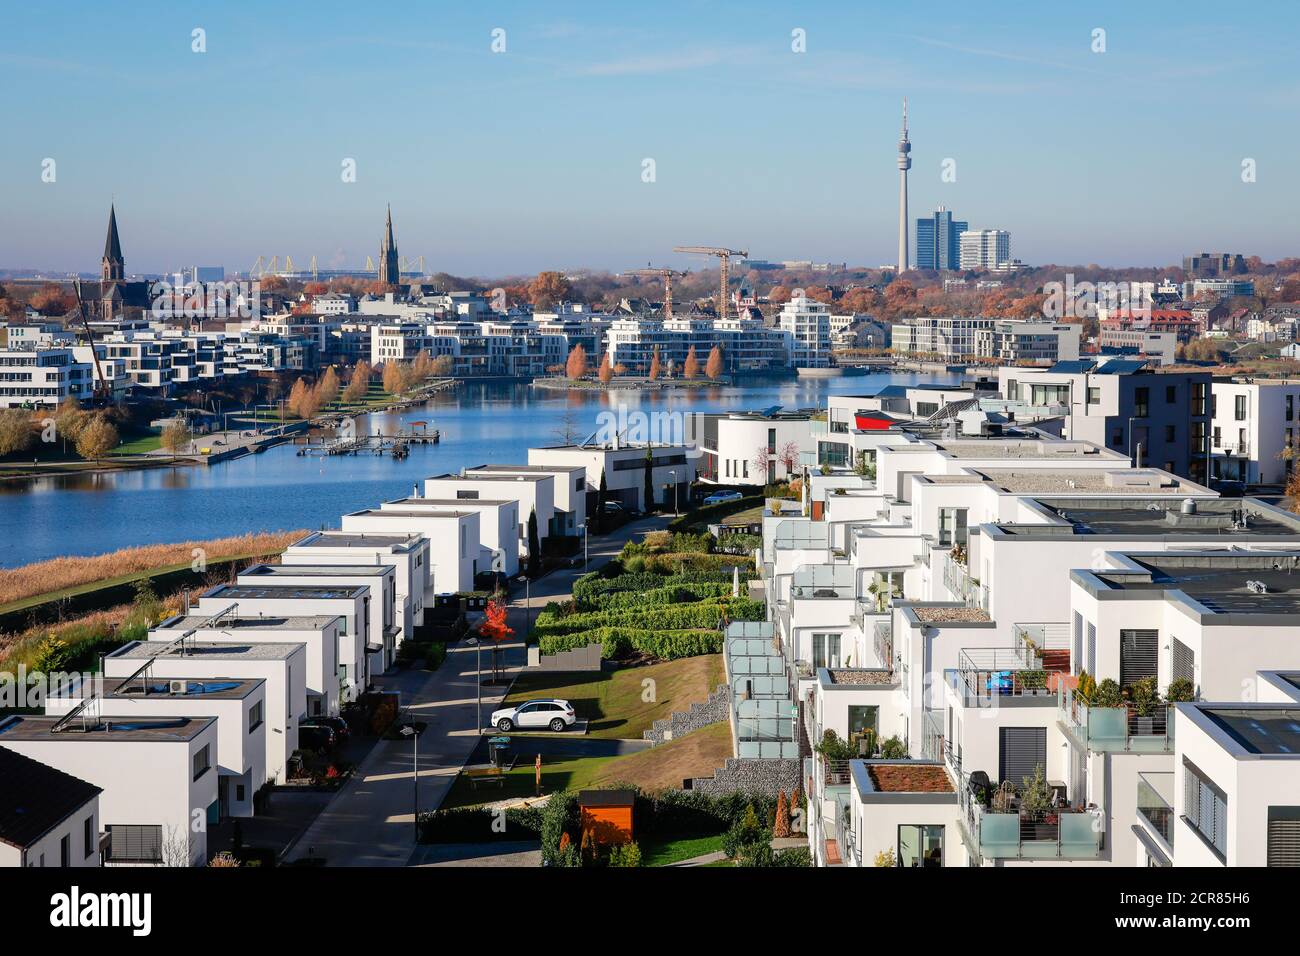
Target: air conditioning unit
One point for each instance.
(178, 687)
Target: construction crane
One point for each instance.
(667, 275)
(724, 255)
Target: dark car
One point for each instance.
(316, 739)
(1228, 488)
(336, 724)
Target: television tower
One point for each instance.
(904, 164)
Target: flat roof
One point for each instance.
(487, 478)
(526, 468)
(1019, 448)
(453, 502)
(355, 539)
(285, 591)
(398, 513)
(1109, 481)
(147, 729)
(215, 650)
(310, 570)
(1274, 730)
(156, 687)
(275, 622)
(1242, 583)
(1227, 518)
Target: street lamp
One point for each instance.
(410, 731)
(478, 682)
(673, 473)
(528, 605)
(586, 555)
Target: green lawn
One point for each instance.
(140, 444)
(614, 701)
(662, 767)
(674, 851)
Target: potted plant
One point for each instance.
(1106, 694)
(1180, 691)
(1032, 682)
(1086, 687)
(1144, 699)
(1035, 802)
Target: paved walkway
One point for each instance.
(370, 821)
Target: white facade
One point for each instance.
(984, 249)
(454, 549)
(623, 467)
(1254, 431)
(535, 494)
(498, 527)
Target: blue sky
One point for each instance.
(532, 159)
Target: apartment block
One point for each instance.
(1253, 433)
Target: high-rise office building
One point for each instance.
(938, 241)
(984, 248)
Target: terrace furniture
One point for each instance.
(485, 775)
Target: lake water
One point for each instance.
(481, 423)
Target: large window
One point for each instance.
(202, 761)
(920, 845)
(1205, 808)
(952, 526)
(1141, 402)
(135, 844)
(1239, 407)
(1020, 751)
(863, 718)
(826, 650)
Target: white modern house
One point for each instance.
(534, 492)
(281, 667)
(623, 466)
(158, 777)
(498, 524)
(238, 704)
(754, 448)
(455, 554)
(47, 817)
(408, 554)
(1255, 431)
(349, 602)
(570, 491)
(381, 579)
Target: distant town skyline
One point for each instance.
(599, 137)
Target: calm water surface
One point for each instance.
(481, 423)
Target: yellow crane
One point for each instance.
(667, 275)
(724, 257)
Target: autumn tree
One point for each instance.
(15, 431)
(358, 384)
(548, 289)
(779, 295)
(654, 366)
(691, 367)
(394, 379)
(52, 299)
(576, 366)
(606, 370)
(788, 455)
(442, 366)
(713, 367)
(176, 436)
(96, 439)
(69, 419)
(495, 629)
(327, 388)
(297, 396)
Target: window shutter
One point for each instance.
(1137, 656)
(1284, 836)
(1184, 661)
(1021, 749)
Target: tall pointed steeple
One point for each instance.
(389, 271)
(112, 266)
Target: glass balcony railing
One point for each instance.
(1059, 833)
(1116, 729)
(1155, 802)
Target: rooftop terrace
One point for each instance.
(284, 592)
(990, 449)
(171, 729)
(354, 539)
(287, 622)
(1239, 583)
(270, 651)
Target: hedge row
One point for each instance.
(668, 617)
(711, 514)
(591, 586)
(479, 825)
(673, 594)
(665, 645)
(686, 562)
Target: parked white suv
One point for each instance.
(553, 714)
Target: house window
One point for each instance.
(467, 495)
(920, 845)
(65, 850)
(88, 834)
(1283, 836)
(1239, 408)
(1171, 394)
(1205, 808)
(826, 650)
(1094, 395)
(255, 717)
(863, 717)
(135, 844)
(1137, 656)
(1290, 407)
(1141, 402)
(952, 526)
(1169, 433)
(1117, 438)
(202, 762)
(1020, 751)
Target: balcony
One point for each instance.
(1155, 803)
(958, 581)
(988, 676)
(1115, 729)
(1005, 831)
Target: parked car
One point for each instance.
(316, 739)
(336, 724)
(722, 497)
(556, 715)
(1228, 488)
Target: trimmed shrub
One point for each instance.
(701, 614)
(711, 514)
(475, 825)
(620, 641)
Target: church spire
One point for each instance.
(389, 271)
(112, 266)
